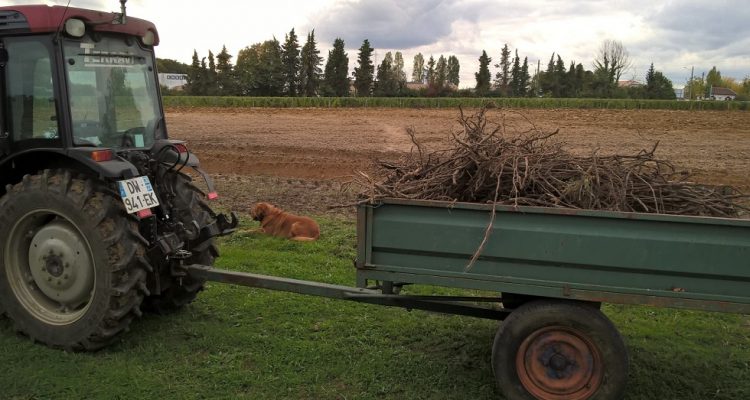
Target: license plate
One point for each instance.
(137, 194)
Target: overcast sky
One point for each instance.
(674, 35)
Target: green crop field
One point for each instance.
(448, 102)
(249, 343)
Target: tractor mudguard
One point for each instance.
(42, 158)
(170, 151)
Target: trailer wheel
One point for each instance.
(73, 269)
(192, 211)
(559, 350)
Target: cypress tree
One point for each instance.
(525, 78)
(502, 78)
(310, 72)
(483, 76)
(194, 78)
(336, 76)
(212, 85)
(515, 77)
(385, 84)
(363, 74)
(290, 59)
(225, 79)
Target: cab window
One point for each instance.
(30, 92)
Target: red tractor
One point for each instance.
(97, 214)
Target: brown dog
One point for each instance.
(276, 222)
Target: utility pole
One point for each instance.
(690, 88)
(538, 81)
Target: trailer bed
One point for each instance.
(661, 260)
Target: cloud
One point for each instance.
(392, 24)
(700, 34)
(703, 25)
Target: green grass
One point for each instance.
(448, 102)
(249, 343)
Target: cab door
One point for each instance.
(29, 100)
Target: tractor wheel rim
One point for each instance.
(559, 363)
(50, 267)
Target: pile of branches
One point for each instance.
(487, 163)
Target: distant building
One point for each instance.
(173, 81)
(720, 93)
(679, 94)
(628, 84)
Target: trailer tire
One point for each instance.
(72, 264)
(189, 205)
(555, 349)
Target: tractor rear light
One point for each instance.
(181, 148)
(213, 196)
(144, 213)
(102, 155)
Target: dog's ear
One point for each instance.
(256, 210)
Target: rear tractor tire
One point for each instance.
(192, 211)
(72, 265)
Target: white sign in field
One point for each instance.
(137, 194)
(173, 81)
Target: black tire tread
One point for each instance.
(124, 248)
(583, 314)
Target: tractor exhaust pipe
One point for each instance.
(121, 18)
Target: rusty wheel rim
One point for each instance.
(559, 363)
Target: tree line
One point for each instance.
(558, 80)
(293, 69)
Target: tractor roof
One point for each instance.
(42, 18)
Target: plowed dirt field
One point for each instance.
(297, 158)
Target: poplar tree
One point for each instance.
(398, 69)
(713, 79)
(417, 73)
(430, 72)
(441, 73)
(454, 69)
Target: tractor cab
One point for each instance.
(74, 78)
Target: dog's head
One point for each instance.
(261, 210)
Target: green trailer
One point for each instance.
(544, 272)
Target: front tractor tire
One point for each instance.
(191, 210)
(72, 264)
